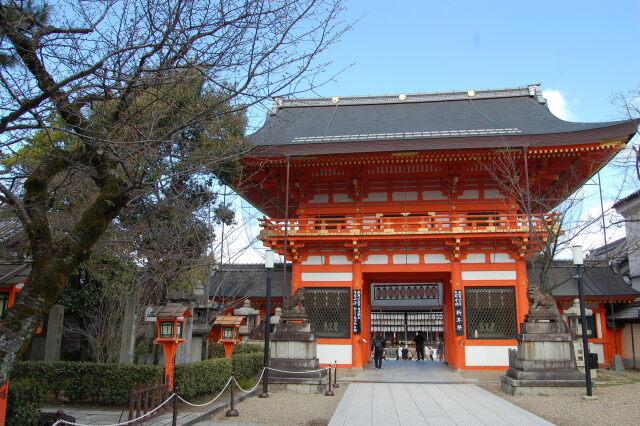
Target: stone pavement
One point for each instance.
(423, 393)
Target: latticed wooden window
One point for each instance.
(329, 311)
(490, 312)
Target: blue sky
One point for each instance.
(582, 52)
(585, 50)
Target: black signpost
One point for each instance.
(457, 308)
(357, 314)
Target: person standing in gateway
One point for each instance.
(378, 350)
(419, 339)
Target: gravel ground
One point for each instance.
(287, 408)
(617, 401)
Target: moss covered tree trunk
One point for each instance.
(54, 260)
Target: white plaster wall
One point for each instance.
(488, 275)
(405, 196)
(406, 259)
(375, 196)
(327, 276)
(328, 354)
(339, 260)
(433, 195)
(598, 325)
(377, 259)
(313, 260)
(490, 356)
(501, 258)
(320, 198)
(474, 258)
(341, 198)
(597, 348)
(436, 258)
(470, 194)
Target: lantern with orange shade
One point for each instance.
(170, 326)
(225, 330)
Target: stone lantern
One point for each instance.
(573, 315)
(253, 319)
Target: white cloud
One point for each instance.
(558, 104)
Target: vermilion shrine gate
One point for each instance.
(406, 213)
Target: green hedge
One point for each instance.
(88, 382)
(23, 406)
(216, 350)
(247, 365)
(202, 377)
(111, 383)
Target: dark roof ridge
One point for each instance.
(626, 199)
(531, 90)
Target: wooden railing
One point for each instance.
(408, 225)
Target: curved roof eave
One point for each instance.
(616, 130)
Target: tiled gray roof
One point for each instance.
(249, 281)
(630, 312)
(489, 114)
(10, 225)
(598, 280)
(626, 199)
(14, 273)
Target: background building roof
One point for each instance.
(598, 281)
(14, 273)
(249, 281)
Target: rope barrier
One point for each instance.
(298, 372)
(252, 389)
(207, 403)
(64, 422)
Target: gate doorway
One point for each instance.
(399, 328)
(401, 304)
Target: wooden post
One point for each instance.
(132, 394)
(329, 392)
(174, 420)
(138, 400)
(232, 412)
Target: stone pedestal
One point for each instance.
(544, 362)
(293, 348)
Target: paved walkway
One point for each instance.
(423, 393)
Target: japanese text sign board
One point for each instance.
(458, 313)
(357, 313)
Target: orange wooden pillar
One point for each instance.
(522, 302)
(359, 354)
(455, 349)
(4, 389)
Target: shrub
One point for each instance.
(88, 382)
(247, 365)
(216, 350)
(111, 383)
(247, 348)
(23, 406)
(202, 377)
